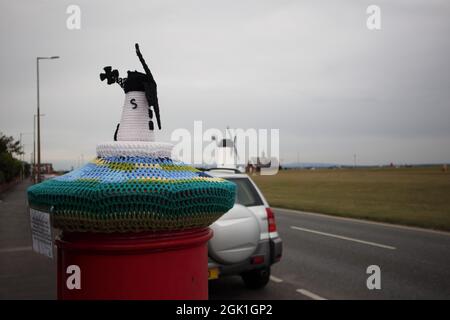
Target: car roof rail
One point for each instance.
(227, 169)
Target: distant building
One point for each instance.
(47, 168)
(254, 165)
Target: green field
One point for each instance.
(409, 196)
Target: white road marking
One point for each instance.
(381, 224)
(345, 238)
(309, 294)
(275, 279)
(15, 249)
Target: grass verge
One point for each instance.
(409, 196)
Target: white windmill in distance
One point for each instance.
(226, 153)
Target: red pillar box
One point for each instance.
(134, 221)
(134, 266)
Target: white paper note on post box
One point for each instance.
(41, 232)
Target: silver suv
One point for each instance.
(245, 240)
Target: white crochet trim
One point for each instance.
(135, 148)
(134, 123)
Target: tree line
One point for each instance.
(10, 166)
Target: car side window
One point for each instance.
(246, 193)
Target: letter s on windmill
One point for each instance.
(137, 121)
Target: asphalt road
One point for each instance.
(324, 257)
(328, 257)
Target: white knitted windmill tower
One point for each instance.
(141, 108)
(134, 135)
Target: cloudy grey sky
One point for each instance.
(310, 68)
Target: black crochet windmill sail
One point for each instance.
(133, 185)
(141, 103)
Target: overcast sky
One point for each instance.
(309, 68)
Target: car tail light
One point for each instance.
(257, 260)
(271, 220)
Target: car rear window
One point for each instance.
(246, 194)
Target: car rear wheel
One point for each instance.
(256, 279)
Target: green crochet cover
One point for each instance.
(133, 194)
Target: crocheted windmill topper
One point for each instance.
(137, 123)
(133, 185)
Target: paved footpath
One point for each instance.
(23, 273)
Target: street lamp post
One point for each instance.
(38, 118)
(34, 147)
(34, 150)
(22, 156)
